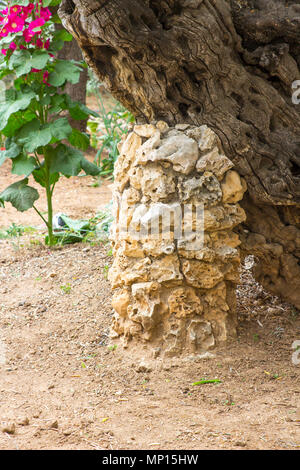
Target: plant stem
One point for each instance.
(41, 215)
(49, 199)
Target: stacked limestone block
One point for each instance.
(174, 275)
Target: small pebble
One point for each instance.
(9, 428)
(23, 421)
(240, 444)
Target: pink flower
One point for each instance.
(33, 70)
(15, 24)
(27, 10)
(36, 24)
(4, 32)
(15, 9)
(47, 44)
(28, 34)
(39, 43)
(3, 51)
(45, 13)
(13, 46)
(45, 77)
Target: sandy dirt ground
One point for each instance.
(64, 385)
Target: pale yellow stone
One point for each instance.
(128, 155)
(162, 126)
(223, 217)
(232, 188)
(120, 303)
(205, 189)
(215, 162)
(157, 184)
(166, 270)
(145, 130)
(131, 248)
(148, 146)
(206, 138)
(184, 302)
(179, 150)
(135, 175)
(158, 247)
(132, 196)
(200, 274)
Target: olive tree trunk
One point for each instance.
(226, 64)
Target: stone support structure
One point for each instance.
(176, 254)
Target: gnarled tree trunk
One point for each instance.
(230, 65)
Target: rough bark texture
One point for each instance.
(229, 64)
(176, 256)
(71, 51)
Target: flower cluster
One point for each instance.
(28, 19)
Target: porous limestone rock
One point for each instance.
(233, 188)
(156, 184)
(176, 255)
(215, 162)
(205, 188)
(179, 150)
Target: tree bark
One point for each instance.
(229, 64)
(77, 92)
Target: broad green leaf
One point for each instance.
(52, 3)
(60, 129)
(65, 160)
(39, 59)
(20, 62)
(23, 165)
(32, 136)
(55, 19)
(79, 139)
(23, 3)
(16, 121)
(57, 104)
(20, 195)
(89, 168)
(46, 100)
(56, 44)
(64, 71)
(78, 110)
(12, 149)
(76, 225)
(20, 100)
(40, 177)
(63, 35)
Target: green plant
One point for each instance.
(111, 125)
(12, 231)
(205, 381)
(105, 271)
(89, 231)
(66, 288)
(33, 118)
